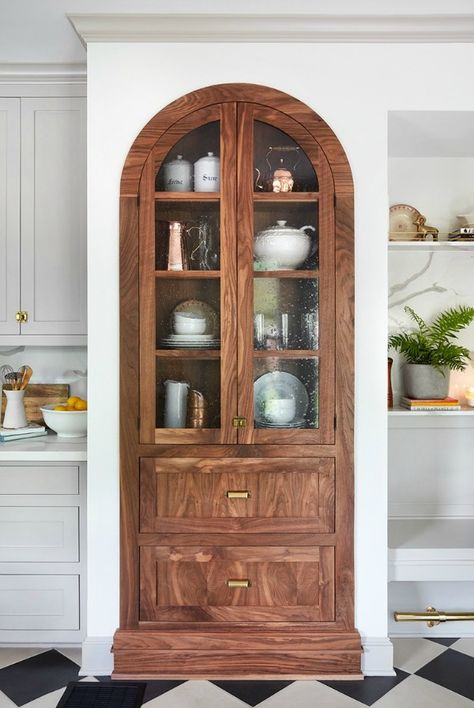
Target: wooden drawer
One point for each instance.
(39, 602)
(192, 584)
(189, 495)
(35, 479)
(39, 533)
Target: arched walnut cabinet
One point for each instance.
(237, 538)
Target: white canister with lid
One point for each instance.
(207, 174)
(178, 175)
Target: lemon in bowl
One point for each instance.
(68, 419)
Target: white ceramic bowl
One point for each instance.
(280, 410)
(189, 324)
(67, 424)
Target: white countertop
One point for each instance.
(47, 449)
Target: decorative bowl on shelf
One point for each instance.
(67, 424)
(285, 247)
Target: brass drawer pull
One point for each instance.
(236, 583)
(237, 494)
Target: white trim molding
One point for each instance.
(308, 28)
(377, 659)
(97, 657)
(42, 73)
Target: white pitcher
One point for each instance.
(15, 416)
(176, 403)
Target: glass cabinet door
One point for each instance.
(285, 283)
(186, 267)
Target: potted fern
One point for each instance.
(431, 352)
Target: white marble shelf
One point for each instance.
(45, 449)
(431, 549)
(445, 246)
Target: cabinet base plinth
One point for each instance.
(236, 655)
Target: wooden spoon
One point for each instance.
(26, 374)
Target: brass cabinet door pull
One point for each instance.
(237, 494)
(236, 583)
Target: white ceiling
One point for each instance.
(39, 31)
(431, 134)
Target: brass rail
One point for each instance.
(433, 617)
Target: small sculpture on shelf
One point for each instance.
(423, 230)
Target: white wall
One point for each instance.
(352, 87)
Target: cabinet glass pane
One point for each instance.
(187, 393)
(286, 313)
(286, 236)
(188, 314)
(280, 164)
(286, 393)
(187, 235)
(181, 171)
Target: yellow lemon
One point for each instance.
(71, 401)
(59, 408)
(80, 405)
(70, 408)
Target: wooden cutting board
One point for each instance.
(38, 395)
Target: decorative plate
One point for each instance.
(201, 309)
(279, 384)
(402, 222)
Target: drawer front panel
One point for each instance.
(30, 533)
(33, 479)
(252, 495)
(208, 584)
(39, 602)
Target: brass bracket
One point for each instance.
(433, 617)
(239, 422)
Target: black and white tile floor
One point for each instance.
(431, 673)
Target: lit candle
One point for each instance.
(470, 396)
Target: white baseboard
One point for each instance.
(97, 657)
(377, 659)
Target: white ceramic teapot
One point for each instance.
(282, 247)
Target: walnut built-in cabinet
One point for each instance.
(237, 537)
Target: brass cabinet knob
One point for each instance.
(237, 494)
(237, 583)
(21, 316)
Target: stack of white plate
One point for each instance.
(190, 341)
(297, 423)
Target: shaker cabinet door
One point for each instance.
(9, 214)
(53, 215)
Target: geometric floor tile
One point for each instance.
(416, 692)
(36, 676)
(309, 694)
(73, 654)
(445, 641)
(195, 694)
(158, 688)
(411, 654)
(452, 670)
(50, 700)
(252, 692)
(370, 689)
(12, 655)
(465, 645)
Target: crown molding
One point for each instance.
(309, 28)
(42, 73)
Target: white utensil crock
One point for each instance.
(15, 416)
(176, 403)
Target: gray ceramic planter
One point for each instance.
(424, 381)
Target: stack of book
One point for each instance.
(426, 404)
(33, 430)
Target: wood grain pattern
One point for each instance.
(189, 583)
(190, 495)
(37, 395)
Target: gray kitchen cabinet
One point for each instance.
(42, 552)
(45, 293)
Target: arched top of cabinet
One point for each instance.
(244, 93)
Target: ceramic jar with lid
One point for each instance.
(207, 174)
(282, 247)
(178, 175)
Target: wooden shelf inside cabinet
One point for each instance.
(188, 353)
(286, 196)
(187, 196)
(300, 274)
(286, 353)
(187, 274)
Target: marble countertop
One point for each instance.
(48, 449)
